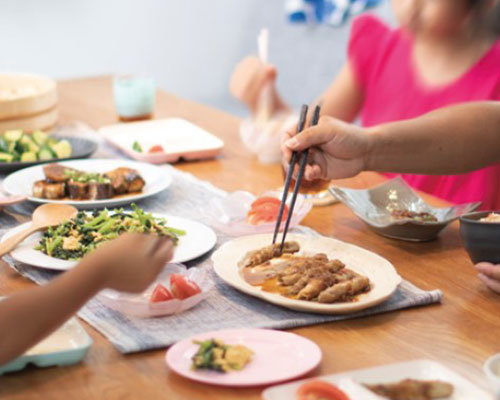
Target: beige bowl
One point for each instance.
(23, 95)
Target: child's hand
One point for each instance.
(490, 275)
(247, 81)
(337, 149)
(131, 262)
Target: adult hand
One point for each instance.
(490, 275)
(131, 262)
(337, 149)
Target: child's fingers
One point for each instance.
(164, 251)
(491, 283)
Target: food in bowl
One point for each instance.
(491, 217)
(481, 236)
(413, 215)
(302, 277)
(215, 355)
(265, 209)
(73, 239)
(320, 390)
(180, 288)
(16, 145)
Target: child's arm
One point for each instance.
(129, 263)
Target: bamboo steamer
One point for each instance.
(30, 99)
(42, 121)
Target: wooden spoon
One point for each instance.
(43, 217)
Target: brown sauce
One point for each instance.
(117, 196)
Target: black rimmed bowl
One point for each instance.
(373, 206)
(481, 239)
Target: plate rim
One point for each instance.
(113, 202)
(182, 342)
(71, 264)
(304, 306)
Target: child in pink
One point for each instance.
(443, 52)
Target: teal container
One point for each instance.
(134, 96)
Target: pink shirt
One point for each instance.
(382, 62)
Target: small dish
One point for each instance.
(492, 370)
(481, 239)
(229, 213)
(11, 200)
(418, 369)
(373, 206)
(66, 346)
(179, 139)
(278, 356)
(139, 305)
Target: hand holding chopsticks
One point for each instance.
(296, 156)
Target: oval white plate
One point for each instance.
(383, 277)
(278, 356)
(198, 240)
(156, 178)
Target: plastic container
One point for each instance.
(229, 214)
(66, 346)
(134, 97)
(138, 305)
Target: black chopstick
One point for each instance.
(298, 181)
(293, 161)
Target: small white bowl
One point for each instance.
(492, 370)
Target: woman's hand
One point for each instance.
(490, 275)
(131, 262)
(337, 149)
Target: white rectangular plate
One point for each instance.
(418, 369)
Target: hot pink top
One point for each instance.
(381, 58)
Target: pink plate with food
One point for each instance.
(242, 213)
(255, 357)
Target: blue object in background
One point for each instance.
(329, 12)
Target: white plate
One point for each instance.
(156, 178)
(383, 277)
(178, 137)
(198, 240)
(418, 369)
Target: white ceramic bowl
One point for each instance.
(492, 370)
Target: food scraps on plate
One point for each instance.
(157, 148)
(73, 239)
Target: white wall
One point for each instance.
(188, 46)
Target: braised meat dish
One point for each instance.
(310, 278)
(63, 182)
(412, 389)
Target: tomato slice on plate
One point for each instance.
(156, 149)
(182, 288)
(265, 209)
(160, 293)
(320, 390)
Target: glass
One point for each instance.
(134, 97)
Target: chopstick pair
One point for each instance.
(293, 162)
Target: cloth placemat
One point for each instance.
(225, 307)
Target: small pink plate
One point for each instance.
(11, 200)
(278, 357)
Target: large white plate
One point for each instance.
(198, 240)
(418, 369)
(383, 277)
(156, 178)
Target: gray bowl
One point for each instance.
(481, 239)
(373, 206)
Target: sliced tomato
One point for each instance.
(156, 149)
(265, 209)
(182, 288)
(265, 200)
(319, 390)
(161, 293)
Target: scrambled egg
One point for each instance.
(71, 243)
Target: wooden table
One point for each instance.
(461, 332)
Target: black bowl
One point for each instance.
(481, 239)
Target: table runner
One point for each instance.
(225, 307)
